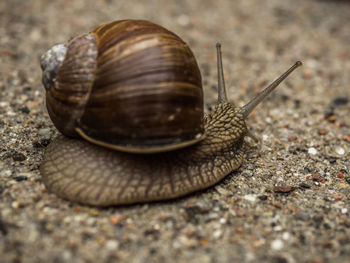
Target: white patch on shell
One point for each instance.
(50, 63)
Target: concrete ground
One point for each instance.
(289, 201)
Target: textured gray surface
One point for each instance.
(289, 202)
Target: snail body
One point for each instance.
(80, 171)
(128, 99)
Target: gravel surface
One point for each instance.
(289, 202)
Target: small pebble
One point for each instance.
(190, 233)
(3, 227)
(18, 157)
(322, 132)
(317, 260)
(311, 63)
(312, 151)
(21, 178)
(277, 228)
(277, 244)
(338, 196)
(91, 221)
(317, 177)
(318, 219)
(111, 245)
(241, 212)
(292, 138)
(3, 104)
(152, 232)
(286, 236)
(240, 230)
(41, 143)
(347, 138)
(326, 244)
(304, 185)
(15, 204)
(303, 216)
(307, 73)
(250, 198)
(263, 197)
(24, 109)
(94, 212)
(44, 132)
(339, 150)
(340, 175)
(114, 220)
(340, 101)
(332, 118)
(332, 159)
(217, 233)
(276, 204)
(203, 241)
(283, 189)
(250, 257)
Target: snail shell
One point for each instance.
(129, 100)
(129, 85)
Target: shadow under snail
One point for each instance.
(128, 98)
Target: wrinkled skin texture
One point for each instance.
(80, 171)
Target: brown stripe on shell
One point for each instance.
(151, 66)
(128, 92)
(71, 90)
(114, 32)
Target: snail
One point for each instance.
(128, 99)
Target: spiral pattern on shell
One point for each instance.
(129, 83)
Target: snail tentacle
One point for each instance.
(250, 106)
(222, 97)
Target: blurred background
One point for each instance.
(260, 39)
